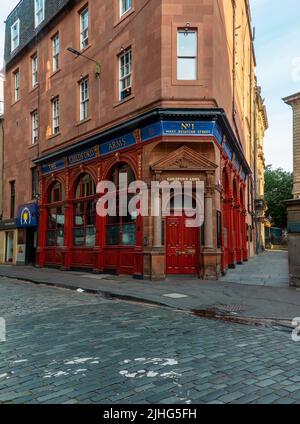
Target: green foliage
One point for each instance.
(278, 188)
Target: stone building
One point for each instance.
(261, 125)
(7, 247)
(293, 205)
(159, 90)
(294, 102)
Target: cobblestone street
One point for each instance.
(69, 347)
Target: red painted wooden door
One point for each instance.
(181, 246)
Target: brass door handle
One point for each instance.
(190, 252)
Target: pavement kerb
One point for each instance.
(219, 316)
(104, 293)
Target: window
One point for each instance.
(55, 115)
(125, 5)
(12, 198)
(121, 230)
(84, 99)
(84, 28)
(15, 35)
(84, 231)
(39, 11)
(34, 182)
(187, 55)
(55, 216)
(55, 53)
(125, 74)
(34, 69)
(35, 127)
(17, 85)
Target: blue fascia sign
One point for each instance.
(228, 150)
(117, 144)
(83, 156)
(53, 167)
(236, 164)
(182, 128)
(27, 216)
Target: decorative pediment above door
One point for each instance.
(183, 159)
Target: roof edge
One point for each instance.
(290, 100)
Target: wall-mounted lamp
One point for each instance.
(78, 53)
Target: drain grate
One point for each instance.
(230, 308)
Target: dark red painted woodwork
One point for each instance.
(182, 246)
(234, 246)
(120, 259)
(129, 259)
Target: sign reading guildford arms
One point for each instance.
(83, 156)
(118, 144)
(54, 166)
(158, 129)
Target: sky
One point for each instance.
(277, 45)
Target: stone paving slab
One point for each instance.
(249, 296)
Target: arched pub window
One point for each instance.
(84, 225)
(121, 230)
(55, 216)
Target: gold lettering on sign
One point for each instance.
(52, 166)
(117, 144)
(183, 179)
(187, 126)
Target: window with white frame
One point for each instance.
(84, 99)
(39, 11)
(34, 69)
(16, 85)
(187, 55)
(125, 78)
(55, 115)
(125, 5)
(55, 52)
(35, 127)
(15, 35)
(84, 28)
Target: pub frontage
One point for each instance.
(161, 145)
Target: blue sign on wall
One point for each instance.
(152, 131)
(218, 134)
(182, 128)
(117, 144)
(83, 156)
(27, 216)
(236, 163)
(52, 167)
(228, 150)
